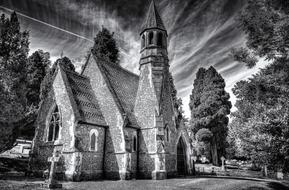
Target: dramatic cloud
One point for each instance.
(201, 33)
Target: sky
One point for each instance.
(201, 33)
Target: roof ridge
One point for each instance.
(111, 64)
(75, 73)
(69, 91)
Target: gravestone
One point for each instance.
(51, 183)
(162, 162)
(193, 162)
(223, 163)
(280, 174)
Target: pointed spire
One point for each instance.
(153, 19)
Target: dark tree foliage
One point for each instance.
(38, 65)
(178, 104)
(210, 105)
(204, 135)
(105, 46)
(261, 123)
(14, 47)
(259, 129)
(266, 24)
(46, 84)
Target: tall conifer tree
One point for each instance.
(38, 65)
(210, 106)
(14, 47)
(105, 46)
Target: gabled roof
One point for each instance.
(123, 84)
(153, 19)
(82, 94)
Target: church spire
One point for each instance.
(153, 19)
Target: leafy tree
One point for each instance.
(46, 84)
(266, 24)
(14, 47)
(38, 65)
(210, 105)
(261, 122)
(105, 46)
(204, 135)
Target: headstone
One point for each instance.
(193, 161)
(280, 174)
(265, 171)
(162, 162)
(223, 163)
(51, 183)
(128, 161)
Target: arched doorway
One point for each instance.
(181, 158)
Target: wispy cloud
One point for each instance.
(201, 33)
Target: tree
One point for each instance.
(262, 117)
(14, 47)
(210, 105)
(105, 46)
(177, 102)
(38, 65)
(46, 84)
(266, 24)
(262, 100)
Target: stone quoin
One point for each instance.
(109, 123)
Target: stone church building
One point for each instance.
(107, 122)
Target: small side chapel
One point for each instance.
(107, 122)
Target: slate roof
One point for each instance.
(123, 84)
(82, 93)
(153, 19)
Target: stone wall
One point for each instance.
(132, 155)
(41, 149)
(115, 145)
(92, 160)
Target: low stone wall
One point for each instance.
(212, 170)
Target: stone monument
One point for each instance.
(51, 183)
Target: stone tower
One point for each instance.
(153, 108)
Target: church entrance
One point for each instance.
(181, 158)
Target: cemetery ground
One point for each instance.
(208, 178)
(193, 183)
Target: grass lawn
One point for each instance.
(198, 183)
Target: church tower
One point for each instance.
(153, 107)
(154, 47)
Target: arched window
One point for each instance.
(151, 37)
(134, 147)
(160, 39)
(54, 125)
(143, 41)
(93, 140)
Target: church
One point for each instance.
(109, 123)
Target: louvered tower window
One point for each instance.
(151, 37)
(160, 39)
(143, 41)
